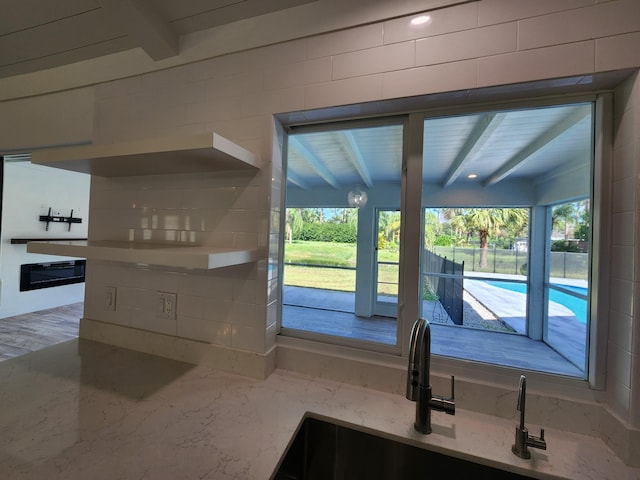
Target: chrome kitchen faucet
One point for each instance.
(418, 381)
(523, 439)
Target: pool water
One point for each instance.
(577, 305)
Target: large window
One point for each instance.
(342, 240)
(497, 233)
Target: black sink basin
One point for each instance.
(327, 451)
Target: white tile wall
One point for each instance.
(488, 43)
(431, 79)
(619, 327)
(344, 41)
(54, 119)
(454, 19)
(624, 194)
(397, 56)
(618, 52)
(625, 148)
(622, 264)
(479, 42)
(634, 331)
(341, 92)
(298, 74)
(216, 333)
(618, 395)
(603, 20)
(621, 362)
(549, 62)
(498, 11)
(622, 296)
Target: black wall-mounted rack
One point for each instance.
(58, 219)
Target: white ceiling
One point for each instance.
(40, 34)
(527, 144)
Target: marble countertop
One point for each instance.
(82, 409)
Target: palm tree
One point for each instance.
(489, 222)
(294, 222)
(564, 215)
(311, 215)
(460, 222)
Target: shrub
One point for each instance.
(443, 241)
(328, 232)
(564, 246)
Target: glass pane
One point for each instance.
(387, 263)
(481, 284)
(568, 284)
(488, 179)
(336, 283)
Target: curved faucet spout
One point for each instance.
(415, 354)
(418, 378)
(523, 439)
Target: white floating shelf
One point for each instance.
(150, 254)
(207, 152)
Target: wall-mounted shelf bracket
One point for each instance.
(59, 219)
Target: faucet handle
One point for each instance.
(538, 442)
(453, 396)
(444, 404)
(451, 407)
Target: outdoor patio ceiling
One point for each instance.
(527, 144)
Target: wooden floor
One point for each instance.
(33, 331)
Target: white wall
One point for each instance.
(28, 192)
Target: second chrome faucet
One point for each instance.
(523, 440)
(418, 379)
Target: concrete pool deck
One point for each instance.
(565, 333)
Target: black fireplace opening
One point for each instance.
(44, 275)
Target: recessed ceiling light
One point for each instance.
(422, 19)
(472, 175)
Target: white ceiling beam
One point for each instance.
(297, 180)
(545, 138)
(144, 25)
(314, 162)
(481, 132)
(354, 155)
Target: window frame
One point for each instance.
(412, 221)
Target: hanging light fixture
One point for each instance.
(357, 198)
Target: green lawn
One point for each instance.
(344, 255)
(334, 254)
(325, 278)
(329, 253)
(321, 253)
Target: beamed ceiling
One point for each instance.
(526, 144)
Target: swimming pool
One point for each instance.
(577, 305)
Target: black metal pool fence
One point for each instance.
(499, 260)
